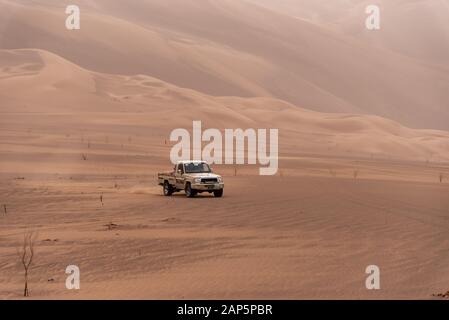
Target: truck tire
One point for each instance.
(218, 193)
(168, 190)
(190, 193)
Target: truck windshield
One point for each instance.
(197, 167)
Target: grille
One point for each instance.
(209, 180)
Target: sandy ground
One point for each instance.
(296, 236)
(308, 232)
(346, 196)
(84, 129)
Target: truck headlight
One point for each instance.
(197, 180)
(220, 179)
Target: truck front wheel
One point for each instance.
(190, 193)
(218, 193)
(168, 190)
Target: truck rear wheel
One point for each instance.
(218, 193)
(190, 193)
(168, 190)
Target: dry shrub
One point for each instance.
(26, 255)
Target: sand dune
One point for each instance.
(236, 48)
(53, 87)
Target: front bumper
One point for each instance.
(208, 186)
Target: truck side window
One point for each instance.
(181, 168)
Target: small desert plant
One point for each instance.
(111, 226)
(101, 199)
(235, 171)
(441, 177)
(4, 209)
(26, 255)
(84, 156)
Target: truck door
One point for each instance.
(179, 176)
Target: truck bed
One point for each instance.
(162, 176)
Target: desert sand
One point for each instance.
(85, 125)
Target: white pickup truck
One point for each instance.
(193, 177)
